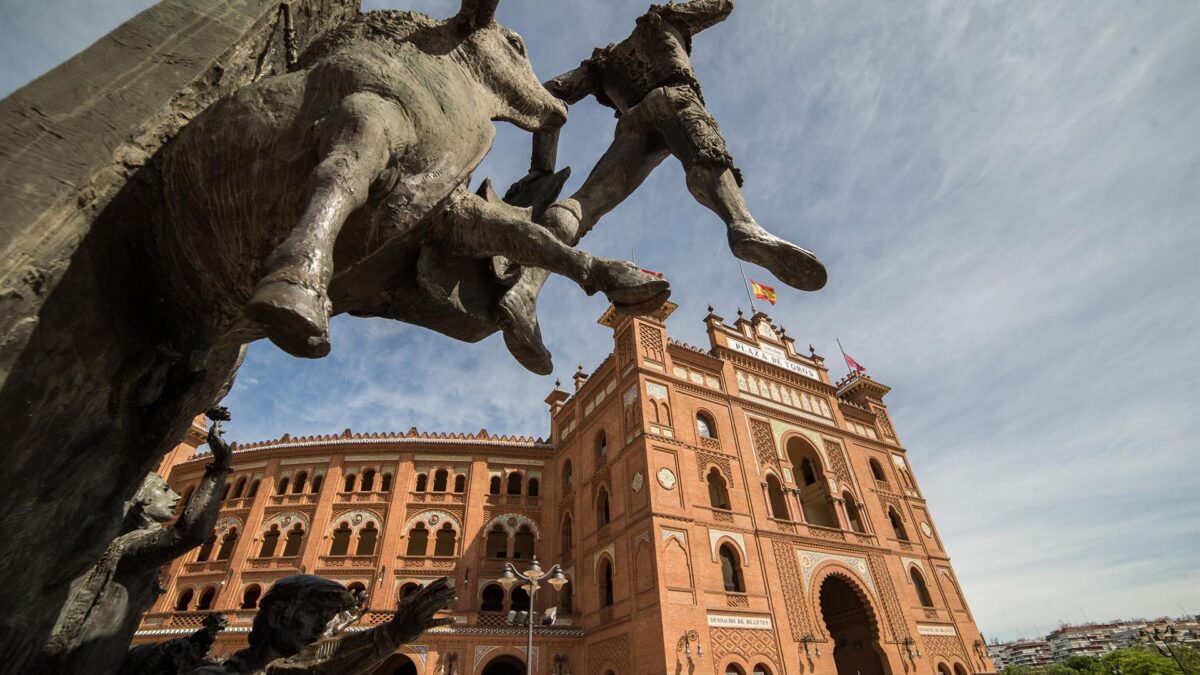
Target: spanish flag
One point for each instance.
(763, 292)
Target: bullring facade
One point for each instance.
(724, 511)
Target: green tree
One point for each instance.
(1139, 661)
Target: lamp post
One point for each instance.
(685, 645)
(529, 579)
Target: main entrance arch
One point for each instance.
(505, 665)
(856, 649)
(397, 664)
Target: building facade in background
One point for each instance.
(1096, 640)
(727, 511)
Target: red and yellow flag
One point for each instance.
(763, 292)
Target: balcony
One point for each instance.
(421, 563)
(237, 504)
(722, 515)
(709, 443)
(830, 533)
(302, 499)
(363, 497)
(206, 567)
(347, 561)
(513, 500)
(783, 525)
(437, 497)
(262, 564)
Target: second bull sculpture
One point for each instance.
(342, 187)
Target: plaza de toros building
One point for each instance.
(720, 511)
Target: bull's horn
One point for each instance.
(477, 13)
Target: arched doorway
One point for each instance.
(855, 638)
(397, 664)
(505, 665)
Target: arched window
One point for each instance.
(493, 599)
(520, 600)
(184, 600)
(922, 590)
(227, 544)
(366, 540)
(494, 485)
(731, 570)
(566, 599)
(422, 482)
(295, 539)
(943, 669)
(779, 509)
(418, 540)
(497, 542)
(250, 596)
(534, 487)
(568, 475)
(603, 517)
(444, 543)
(348, 483)
(206, 548)
(514, 483)
(815, 499)
(440, 478)
(734, 669)
(317, 482)
(282, 488)
(852, 513)
(207, 598)
(959, 670)
(408, 589)
(877, 471)
(897, 525)
(300, 482)
(762, 669)
(460, 483)
(523, 543)
(239, 487)
(341, 540)
(357, 589)
(705, 427)
(606, 584)
(225, 492)
(567, 540)
(718, 495)
(601, 447)
(270, 542)
(385, 483)
(368, 480)
(253, 489)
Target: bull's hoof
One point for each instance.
(522, 336)
(630, 289)
(296, 318)
(794, 266)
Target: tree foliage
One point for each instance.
(1129, 661)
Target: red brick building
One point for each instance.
(733, 491)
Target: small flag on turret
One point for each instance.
(853, 365)
(763, 292)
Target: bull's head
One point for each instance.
(497, 57)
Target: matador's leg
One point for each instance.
(634, 153)
(291, 301)
(692, 135)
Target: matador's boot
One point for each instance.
(797, 267)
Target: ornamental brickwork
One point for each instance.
(777, 559)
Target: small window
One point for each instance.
(514, 483)
(603, 517)
(568, 475)
(366, 540)
(922, 590)
(295, 539)
(418, 540)
(734, 669)
(282, 488)
(250, 596)
(779, 509)
(445, 542)
(523, 543)
(731, 571)
(270, 542)
(368, 480)
(348, 484)
(225, 492)
(492, 599)
(520, 600)
(184, 600)
(206, 548)
(341, 540)
(853, 513)
(877, 471)
(606, 584)
(408, 589)
(497, 542)
(718, 495)
(494, 485)
(897, 525)
(239, 487)
(460, 484)
(227, 544)
(534, 486)
(422, 482)
(317, 482)
(301, 480)
(385, 483)
(567, 539)
(253, 489)
(601, 446)
(206, 599)
(440, 479)
(705, 427)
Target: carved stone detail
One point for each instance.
(793, 588)
(614, 650)
(704, 459)
(745, 643)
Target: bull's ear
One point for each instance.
(476, 14)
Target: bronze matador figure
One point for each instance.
(102, 612)
(649, 80)
(291, 633)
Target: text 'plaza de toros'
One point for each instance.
(735, 492)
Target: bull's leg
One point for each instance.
(481, 229)
(291, 301)
(632, 156)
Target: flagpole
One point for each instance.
(749, 295)
(849, 370)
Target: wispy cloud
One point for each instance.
(1005, 195)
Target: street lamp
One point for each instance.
(529, 579)
(685, 645)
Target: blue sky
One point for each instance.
(1007, 197)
